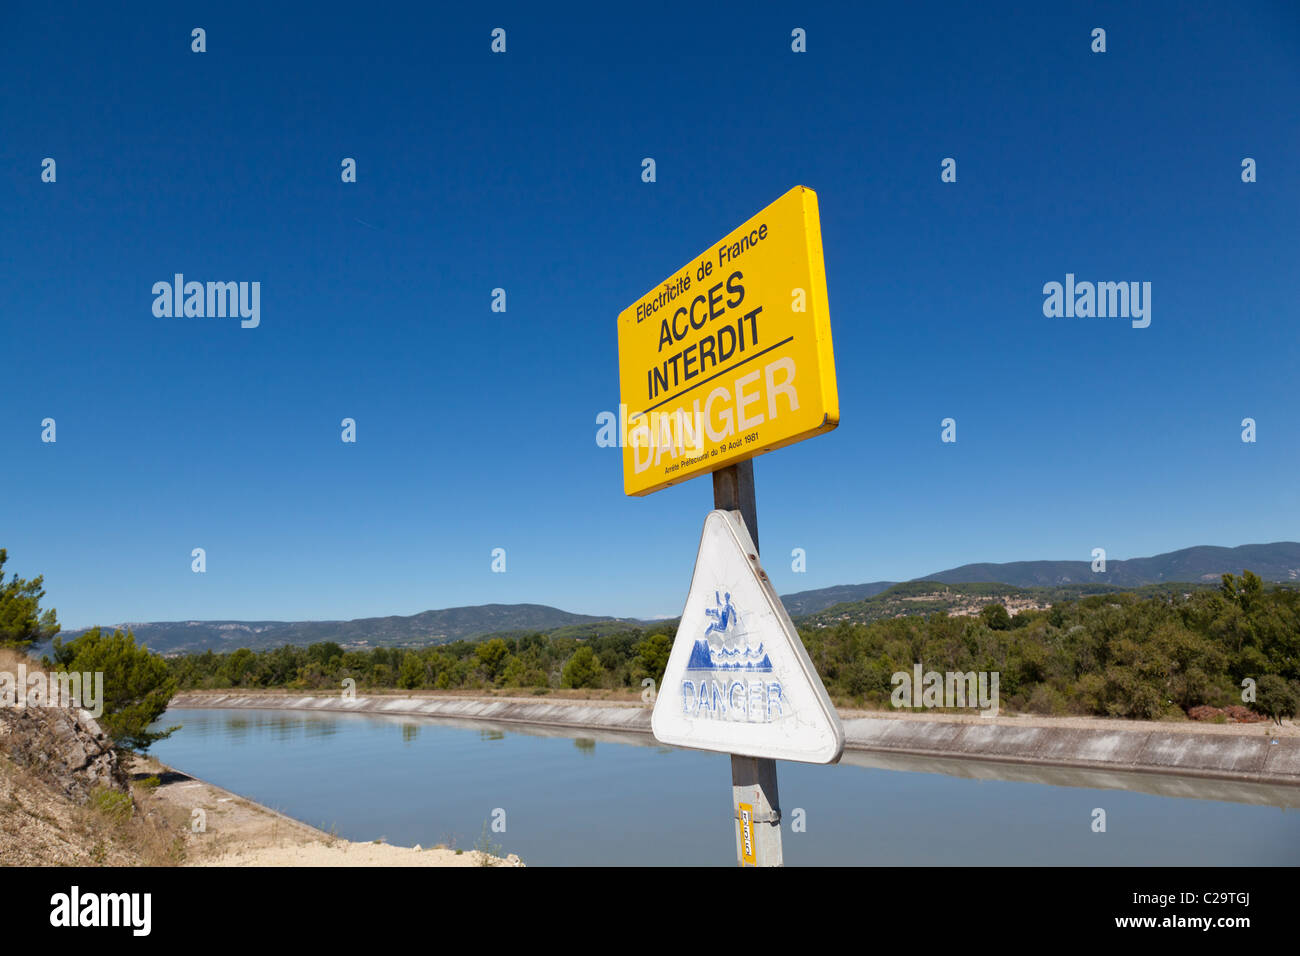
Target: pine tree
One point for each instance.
(21, 620)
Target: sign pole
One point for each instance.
(755, 804)
(738, 679)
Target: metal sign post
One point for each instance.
(754, 799)
(728, 358)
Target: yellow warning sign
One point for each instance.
(747, 854)
(730, 356)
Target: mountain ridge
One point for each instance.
(1277, 561)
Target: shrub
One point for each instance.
(582, 670)
(137, 684)
(1046, 699)
(113, 805)
(996, 617)
(652, 655)
(1276, 697)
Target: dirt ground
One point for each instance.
(41, 826)
(233, 831)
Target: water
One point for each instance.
(614, 799)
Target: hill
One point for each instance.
(810, 602)
(929, 597)
(1279, 561)
(428, 627)
(1019, 585)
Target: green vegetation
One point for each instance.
(137, 684)
(995, 617)
(1154, 652)
(113, 805)
(1117, 655)
(928, 597)
(1277, 697)
(537, 662)
(652, 655)
(21, 620)
(582, 670)
(487, 851)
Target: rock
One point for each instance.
(63, 745)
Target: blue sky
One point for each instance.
(521, 170)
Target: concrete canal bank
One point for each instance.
(1246, 753)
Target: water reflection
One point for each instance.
(635, 801)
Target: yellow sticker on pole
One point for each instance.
(747, 852)
(730, 356)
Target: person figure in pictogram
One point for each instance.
(724, 615)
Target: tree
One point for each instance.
(324, 652)
(652, 655)
(582, 670)
(239, 668)
(21, 620)
(491, 656)
(515, 673)
(137, 684)
(996, 617)
(412, 672)
(1276, 697)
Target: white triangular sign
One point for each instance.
(738, 678)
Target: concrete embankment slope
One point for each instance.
(1254, 753)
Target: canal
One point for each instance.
(610, 799)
